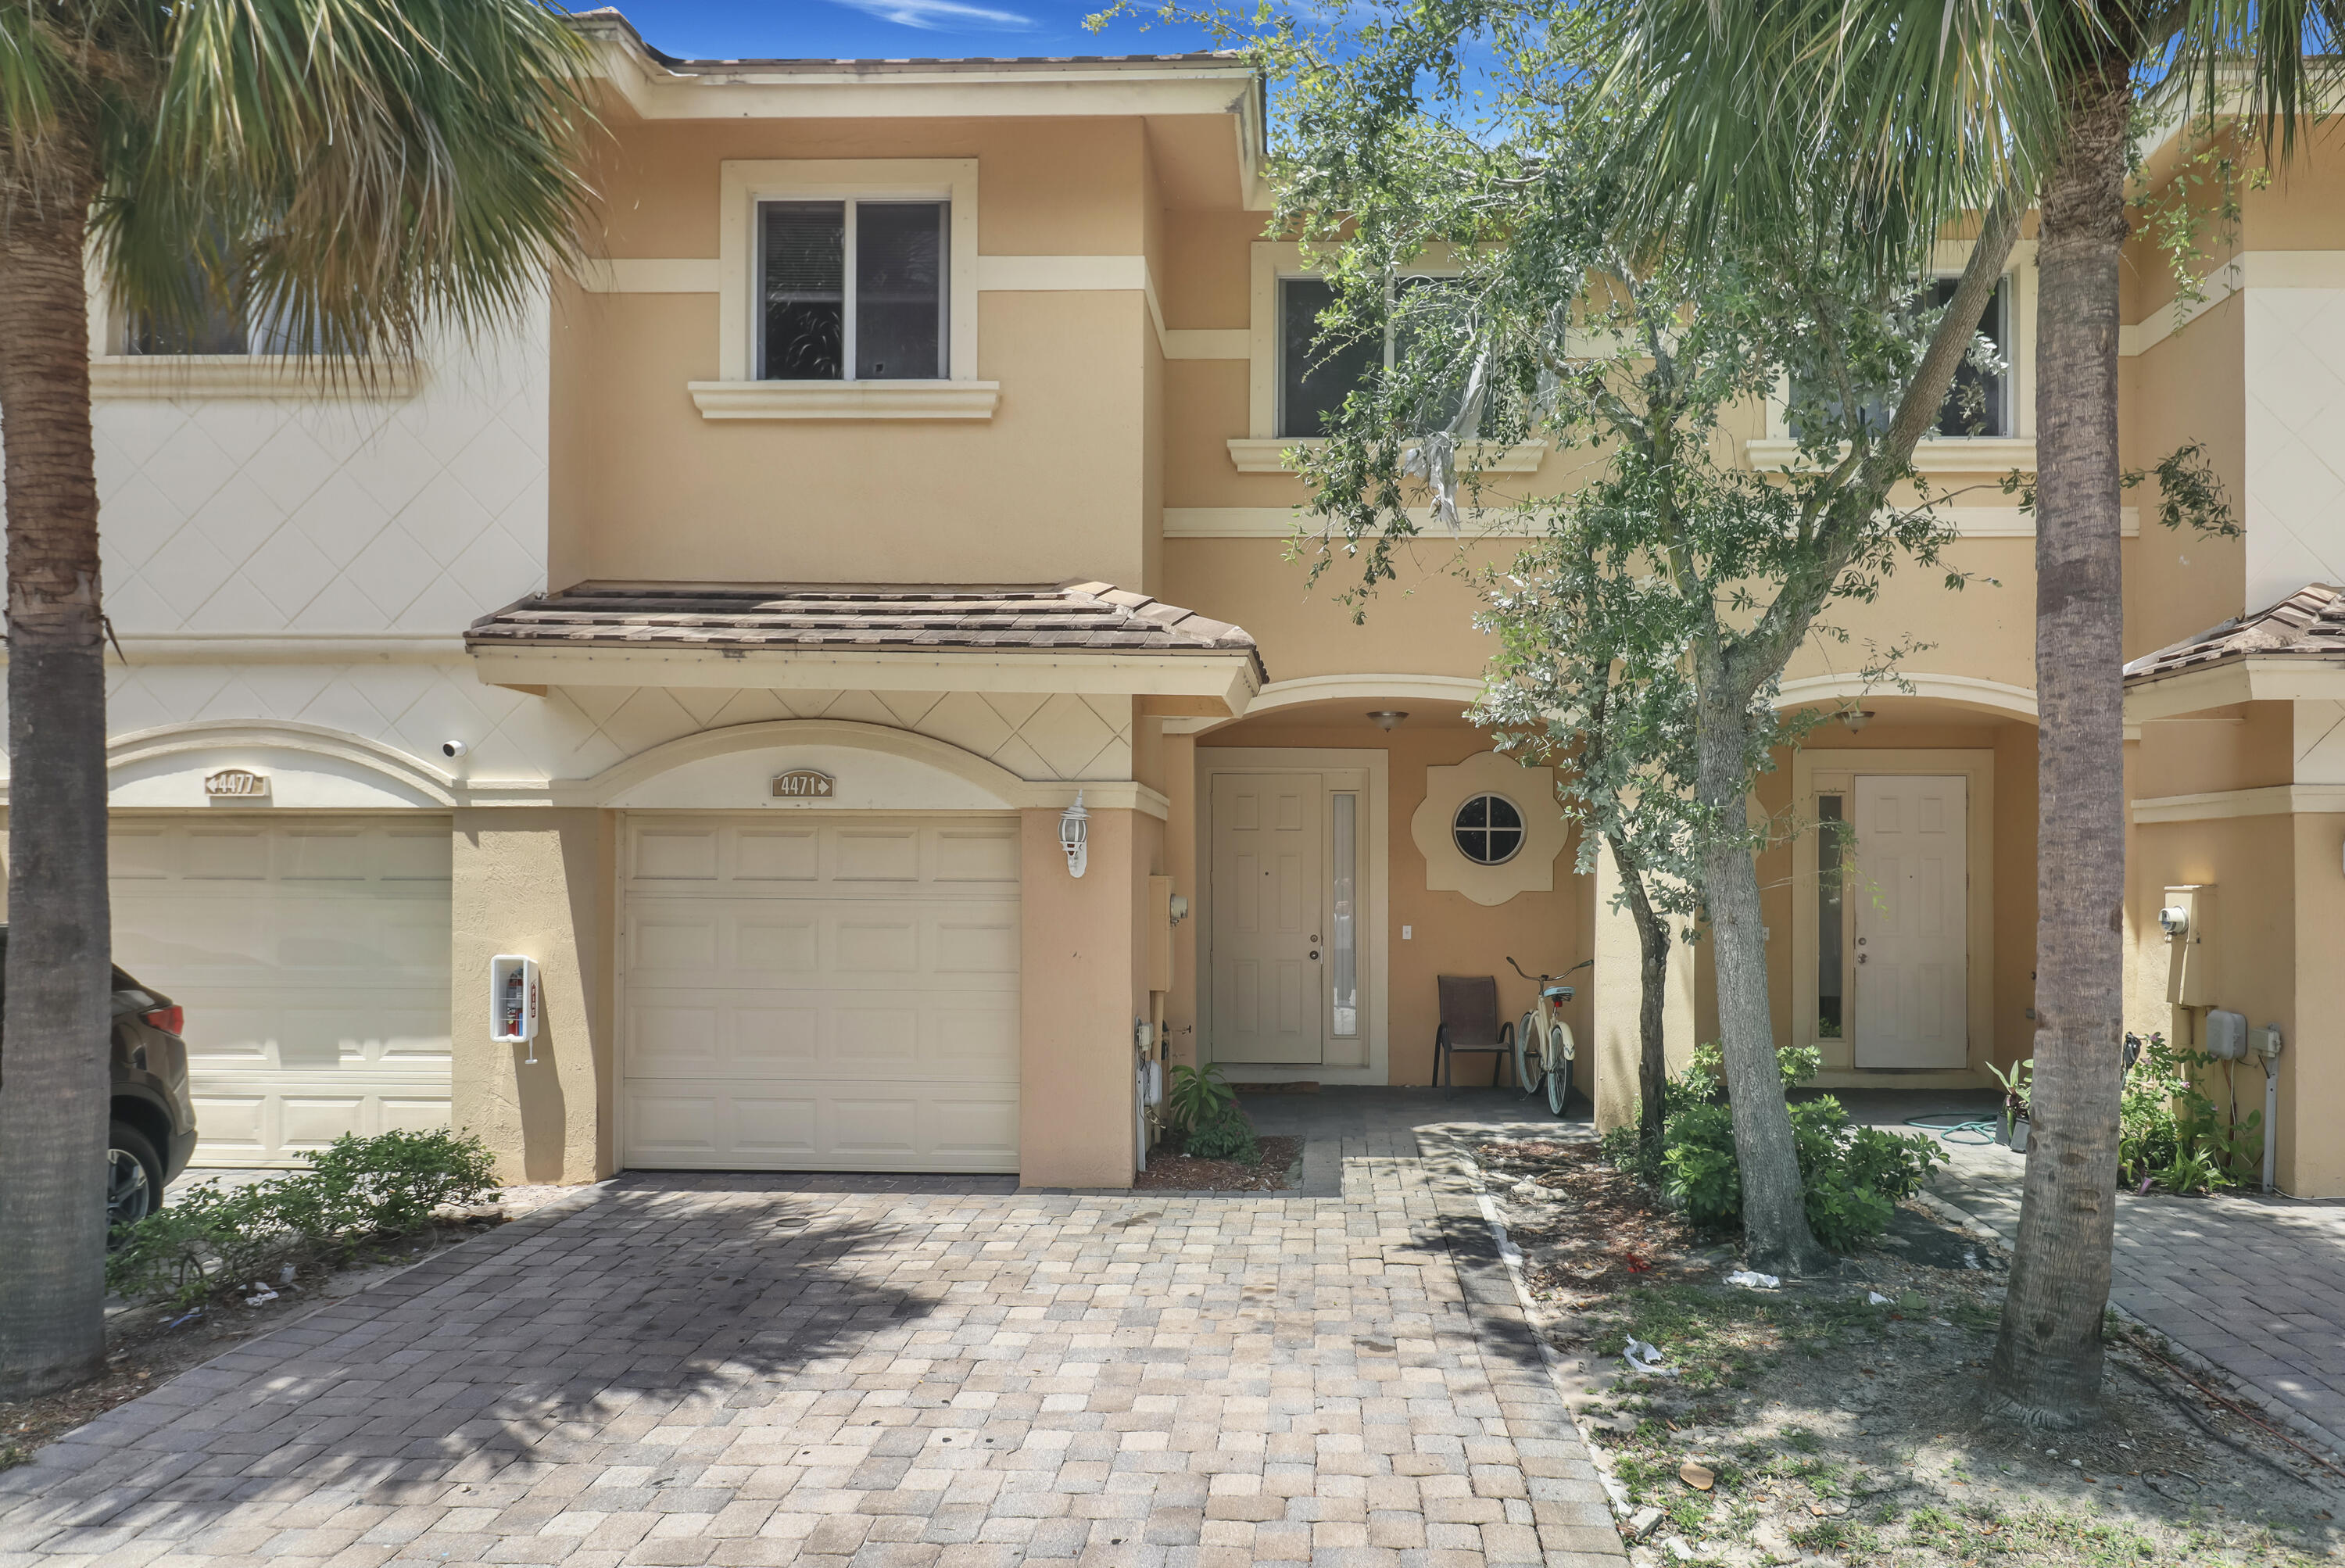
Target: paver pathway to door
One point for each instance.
(729, 1371)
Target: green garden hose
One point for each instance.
(1955, 1127)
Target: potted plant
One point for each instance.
(2017, 1087)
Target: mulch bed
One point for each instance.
(1610, 1232)
(1182, 1173)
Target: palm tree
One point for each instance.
(357, 173)
(1963, 98)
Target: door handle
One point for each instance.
(1860, 957)
(1314, 953)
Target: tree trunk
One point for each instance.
(53, 1078)
(1775, 1235)
(2047, 1361)
(1652, 983)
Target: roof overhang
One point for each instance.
(2234, 680)
(657, 87)
(1213, 684)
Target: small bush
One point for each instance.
(206, 1240)
(1229, 1138)
(1852, 1175)
(2171, 1133)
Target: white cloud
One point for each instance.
(935, 14)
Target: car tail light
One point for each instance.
(169, 1019)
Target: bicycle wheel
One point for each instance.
(1561, 1049)
(1526, 1054)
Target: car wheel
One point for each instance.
(133, 1176)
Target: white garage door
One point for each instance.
(821, 995)
(313, 958)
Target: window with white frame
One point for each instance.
(854, 289)
(1315, 376)
(1979, 402)
(227, 326)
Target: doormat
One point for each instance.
(1301, 1088)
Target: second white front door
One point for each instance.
(1911, 894)
(1269, 918)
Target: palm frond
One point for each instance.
(355, 174)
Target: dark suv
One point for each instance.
(152, 1133)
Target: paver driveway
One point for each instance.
(724, 1370)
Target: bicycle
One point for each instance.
(1544, 1046)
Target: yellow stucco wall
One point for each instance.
(538, 883)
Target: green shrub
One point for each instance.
(206, 1240)
(1197, 1097)
(2171, 1135)
(1852, 1175)
(1228, 1137)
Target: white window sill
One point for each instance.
(1257, 454)
(1937, 454)
(302, 376)
(845, 400)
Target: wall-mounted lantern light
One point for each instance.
(1075, 836)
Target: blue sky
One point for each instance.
(767, 29)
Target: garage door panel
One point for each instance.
(778, 942)
(313, 958)
(791, 855)
(875, 944)
(855, 1006)
(875, 854)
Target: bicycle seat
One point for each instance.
(1561, 992)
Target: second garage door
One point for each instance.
(805, 995)
(312, 957)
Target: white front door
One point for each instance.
(1911, 894)
(812, 995)
(1270, 915)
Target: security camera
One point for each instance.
(453, 748)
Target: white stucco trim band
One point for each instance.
(2220, 805)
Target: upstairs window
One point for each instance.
(852, 290)
(1979, 404)
(1314, 378)
(227, 327)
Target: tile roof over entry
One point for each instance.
(865, 617)
(2310, 624)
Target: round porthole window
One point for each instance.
(1489, 830)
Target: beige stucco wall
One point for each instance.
(539, 882)
(1085, 973)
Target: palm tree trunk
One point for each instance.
(2047, 1361)
(1775, 1235)
(1652, 983)
(54, 1081)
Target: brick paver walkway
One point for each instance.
(726, 1370)
(2253, 1285)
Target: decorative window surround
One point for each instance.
(304, 377)
(1531, 870)
(845, 400)
(744, 183)
(1939, 455)
(1267, 455)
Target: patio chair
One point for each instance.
(1469, 1025)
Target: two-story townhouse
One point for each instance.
(737, 640)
